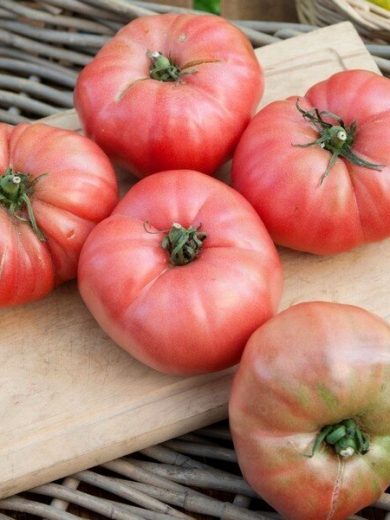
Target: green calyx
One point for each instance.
(337, 138)
(162, 69)
(15, 192)
(183, 244)
(345, 438)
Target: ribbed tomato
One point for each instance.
(310, 411)
(170, 91)
(55, 185)
(317, 169)
(181, 273)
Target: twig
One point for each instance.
(46, 63)
(122, 490)
(101, 506)
(12, 119)
(177, 494)
(257, 38)
(383, 502)
(69, 484)
(27, 68)
(197, 503)
(212, 452)
(121, 7)
(26, 103)
(59, 20)
(63, 99)
(164, 454)
(159, 8)
(215, 432)
(55, 37)
(28, 506)
(242, 501)
(6, 14)
(200, 478)
(87, 10)
(21, 42)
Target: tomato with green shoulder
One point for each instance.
(310, 411)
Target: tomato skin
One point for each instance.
(181, 319)
(283, 182)
(313, 365)
(77, 189)
(150, 125)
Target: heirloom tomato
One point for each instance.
(310, 411)
(55, 185)
(181, 273)
(170, 91)
(316, 168)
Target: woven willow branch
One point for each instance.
(27, 68)
(178, 495)
(199, 478)
(54, 39)
(98, 505)
(213, 452)
(25, 57)
(54, 36)
(71, 22)
(26, 103)
(153, 491)
(27, 44)
(80, 7)
(29, 86)
(372, 21)
(35, 508)
(121, 7)
(12, 117)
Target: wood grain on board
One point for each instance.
(71, 399)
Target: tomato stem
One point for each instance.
(183, 244)
(162, 68)
(336, 138)
(345, 438)
(15, 192)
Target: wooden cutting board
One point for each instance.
(71, 399)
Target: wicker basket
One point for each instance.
(193, 477)
(372, 21)
(43, 46)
